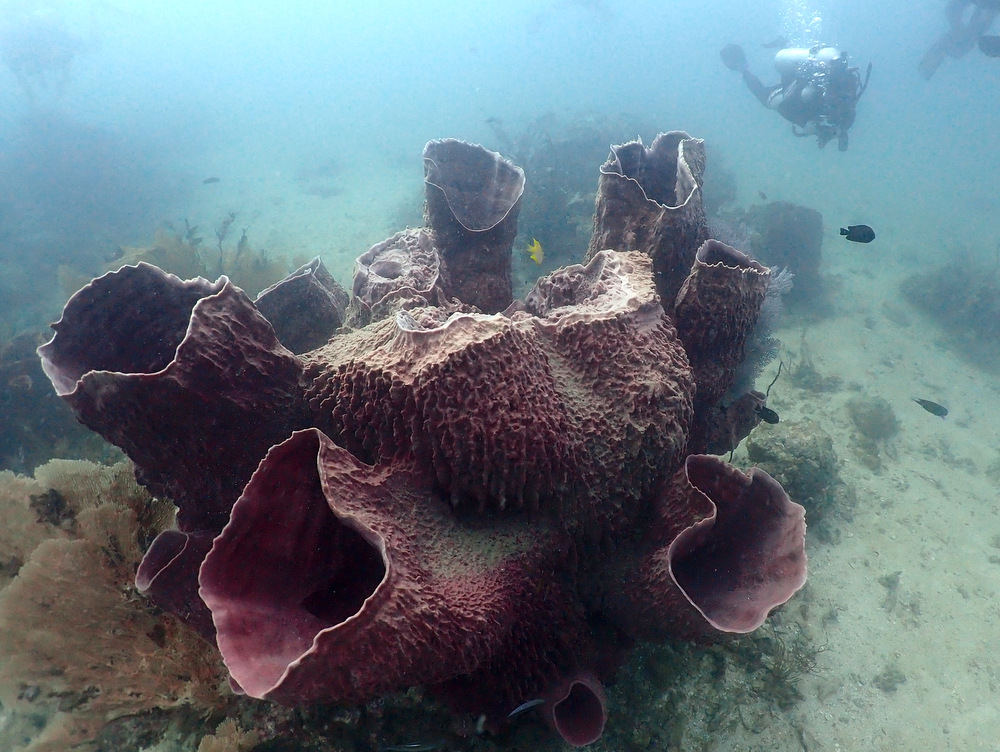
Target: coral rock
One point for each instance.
(801, 454)
(792, 238)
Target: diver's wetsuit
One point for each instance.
(784, 99)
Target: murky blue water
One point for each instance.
(300, 127)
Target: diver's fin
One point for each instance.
(733, 57)
(932, 60)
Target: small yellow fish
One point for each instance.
(535, 251)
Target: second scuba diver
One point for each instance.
(818, 93)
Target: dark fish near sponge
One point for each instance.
(858, 233)
(208, 181)
(775, 44)
(932, 407)
(990, 45)
(767, 414)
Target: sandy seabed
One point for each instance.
(903, 601)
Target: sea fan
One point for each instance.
(734, 233)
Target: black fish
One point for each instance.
(212, 179)
(763, 196)
(775, 44)
(932, 407)
(990, 46)
(858, 233)
(767, 414)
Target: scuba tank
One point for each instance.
(792, 60)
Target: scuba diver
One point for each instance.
(963, 33)
(817, 94)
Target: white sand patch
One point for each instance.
(911, 590)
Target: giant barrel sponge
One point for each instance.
(490, 504)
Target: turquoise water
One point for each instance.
(130, 125)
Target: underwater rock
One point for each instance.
(487, 504)
(305, 308)
(473, 197)
(801, 455)
(876, 425)
(791, 237)
(963, 299)
(649, 200)
(186, 377)
(873, 417)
